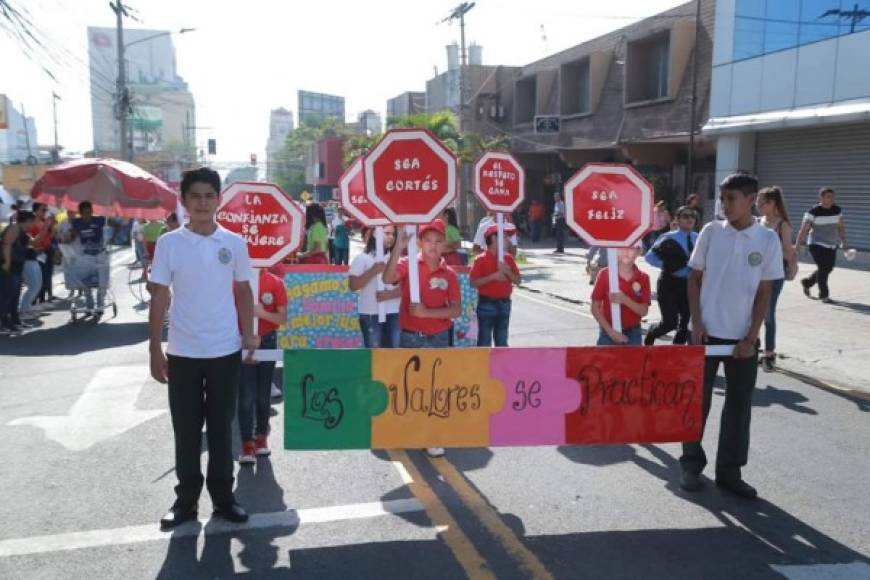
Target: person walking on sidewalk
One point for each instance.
(633, 296)
(494, 282)
(426, 324)
(771, 207)
(209, 271)
(823, 228)
(671, 253)
(255, 389)
(15, 247)
(559, 223)
(733, 267)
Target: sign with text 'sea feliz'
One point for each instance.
(410, 176)
(499, 182)
(479, 397)
(352, 187)
(609, 204)
(266, 217)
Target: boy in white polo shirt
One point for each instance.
(733, 264)
(202, 262)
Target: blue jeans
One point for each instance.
(409, 339)
(379, 334)
(255, 393)
(493, 319)
(32, 276)
(536, 230)
(770, 319)
(633, 334)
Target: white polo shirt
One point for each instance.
(734, 263)
(368, 294)
(201, 270)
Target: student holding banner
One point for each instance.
(427, 324)
(633, 296)
(493, 279)
(733, 267)
(362, 278)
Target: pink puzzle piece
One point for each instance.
(539, 395)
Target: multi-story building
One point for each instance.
(17, 134)
(324, 166)
(312, 106)
(280, 125)
(163, 111)
(791, 100)
(408, 103)
(369, 123)
(626, 96)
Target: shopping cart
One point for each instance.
(89, 272)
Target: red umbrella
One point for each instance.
(113, 187)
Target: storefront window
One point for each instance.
(781, 22)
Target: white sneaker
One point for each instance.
(435, 452)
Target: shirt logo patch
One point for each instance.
(268, 299)
(225, 255)
(437, 284)
(755, 259)
(636, 287)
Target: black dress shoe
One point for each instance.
(176, 516)
(738, 487)
(232, 512)
(690, 481)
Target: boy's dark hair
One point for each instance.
(37, 206)
(24, 216)
(85, 205)
(827, 189)
(201, 175)
(745, 183)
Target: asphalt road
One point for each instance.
(87, 472)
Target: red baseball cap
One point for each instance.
(436, 225)
(509, 229)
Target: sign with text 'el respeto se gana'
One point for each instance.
(410, 176)
(354, 198)
(609, 204)
(499, 182)
(269, 221)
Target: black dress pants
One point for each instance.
(825, 259)
(673, 302)
(204, 390)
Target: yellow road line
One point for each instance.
(526, 560)
(463, 550)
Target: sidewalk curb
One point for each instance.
(830, 387)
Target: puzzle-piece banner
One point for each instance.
(480, 397)
(322, 309)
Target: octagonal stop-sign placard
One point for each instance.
(499, 182)
(609, 204)
(353, 197)
(266, 217)
(410, 176)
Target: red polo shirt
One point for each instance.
(438, 289)
(486, 264)
(272, 295)
(637, 288)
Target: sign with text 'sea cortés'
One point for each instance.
(410, 176)
(269, 221)
(499, 182)
(352, 188)
(609, 204)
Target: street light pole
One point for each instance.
(123, 101)
(54, 99)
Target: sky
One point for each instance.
(247, 58)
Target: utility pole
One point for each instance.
(54, 99)
(26, 134)
(458, 13)
(690, 161)
(123, 97)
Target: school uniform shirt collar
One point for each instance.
(731, 230)
(442, 265)
(218, 236)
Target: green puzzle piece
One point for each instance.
(330, 399)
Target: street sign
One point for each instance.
(609, 204)
(499, 182)
(354, 199)
(547, 123)
(266, 217)
(410, 176)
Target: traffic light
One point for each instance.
(212, 147)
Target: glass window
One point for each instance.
(817, 23)
(658, 78)
(583, 87)
(748, 29)
(782, 18)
